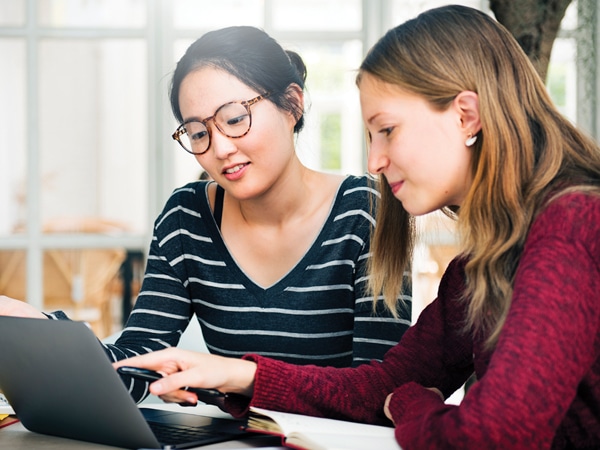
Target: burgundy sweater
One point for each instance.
(539, 388)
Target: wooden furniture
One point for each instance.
(82, 281)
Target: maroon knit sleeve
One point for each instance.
(541, 388)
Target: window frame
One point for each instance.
(160, 37)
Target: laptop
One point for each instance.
(59, 380)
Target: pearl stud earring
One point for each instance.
(471, 140)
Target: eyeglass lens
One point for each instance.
(232, 119)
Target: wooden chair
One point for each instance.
(12, 273)
(81, 282)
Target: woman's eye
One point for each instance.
(386, 131)
(198, 135)
(237, 120)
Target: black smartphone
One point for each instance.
(209, 396)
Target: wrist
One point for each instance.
(243, 373)
(409, 400)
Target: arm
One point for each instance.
(159, 317)
(164, 307)
(17, 308)
(161, 312)
(543, 358)
(185, 368)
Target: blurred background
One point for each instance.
(86, 155)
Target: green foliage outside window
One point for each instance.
(331, 129)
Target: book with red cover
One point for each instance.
(8, 420)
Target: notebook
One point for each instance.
(59, 380)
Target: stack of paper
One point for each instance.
(7, 416)
(5, 408)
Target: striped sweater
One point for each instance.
(318, 313)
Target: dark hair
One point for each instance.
(254, 58)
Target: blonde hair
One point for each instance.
(392, 251)
(525, 150)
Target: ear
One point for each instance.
(295, 97)
(467, 106)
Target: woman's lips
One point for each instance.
(395, 187)
(235, 172)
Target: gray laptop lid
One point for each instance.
(59, 381)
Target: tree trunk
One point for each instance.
(535, 25)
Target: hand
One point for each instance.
(386, 408)
(185, 368)
(17, 308)
(437, 391)
(386, 405)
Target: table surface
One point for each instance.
(17, 437)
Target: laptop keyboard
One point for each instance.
(178, 434)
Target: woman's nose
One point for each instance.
(222, 146)
(377, 160)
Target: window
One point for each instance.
(86, 158)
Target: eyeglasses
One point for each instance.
(232, 119)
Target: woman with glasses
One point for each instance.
(270, 256)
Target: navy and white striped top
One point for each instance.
(316, 314)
